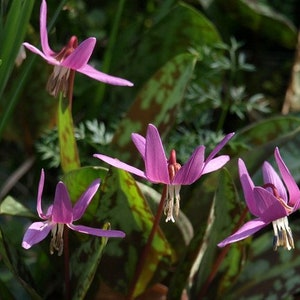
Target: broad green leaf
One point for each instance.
(12, 261)
(263, 19)
(123, 205)
(68, 148)
(84, 263)
(158, 100)
(181, 29)
(10, 206)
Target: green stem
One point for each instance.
(108, 53)
(67, 263)
(147, 249)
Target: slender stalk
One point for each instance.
(67, 263)
(142, 260)
(220, 258)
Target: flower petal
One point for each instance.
(85, 199)
(43, 30)
(219, 146)
(215, 164)
(35, 233)
(155, 158)
(140, 143)
(100, 76)
(62, 206)
(121, 165)
(35, 50)
(270, 208)
(271, 176)
(39, 197)
(97, 231)
(294, 193)
(192, 169)
(81, 55)
(247, 185)
(245, 231)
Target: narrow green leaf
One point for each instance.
(68, 148)
(84, 264)
(10, 206)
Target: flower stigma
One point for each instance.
(172, 203)
(59, 78)
(282, 232)
(57, 242)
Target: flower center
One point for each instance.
(282, 234)
(172, 203)
(57, 242)
(59, 78)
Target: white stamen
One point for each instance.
(57, 242)
(282, 234)
(58, 81)
(171, 207)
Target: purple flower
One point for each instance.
(61, 213)
(71, 57)
(272, 202)
(158, 169)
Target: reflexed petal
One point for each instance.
(43, 30)
(39, 197)
(85, 199)
(121, 165)
(35, 233)
(271, 176)
(215, 164)
(35, 50)
(220, 146)
(81, 55)
(245, 231)
(155, 158)
(294, 193)
(269, 207)
(247, 185)
(140, 143)
(97, 231)
(192, 169)
(62, 207)
(100, 76)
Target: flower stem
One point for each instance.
(220, 258)
(147, 248)
(67, 263)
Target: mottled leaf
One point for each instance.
(68, 148)
(157, 102)
(123, 205)
(84, 263)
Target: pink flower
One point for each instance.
(158, 169)
(71, 57)
(61, 213)
(270, 203)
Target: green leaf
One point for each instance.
(12, 36)
(261, 18)
(69, 157)
(12, 261)
(123, 205)
(10, 206)
(84, 263)
(157, 102)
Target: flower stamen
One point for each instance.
(282, 234)
(57, 242)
